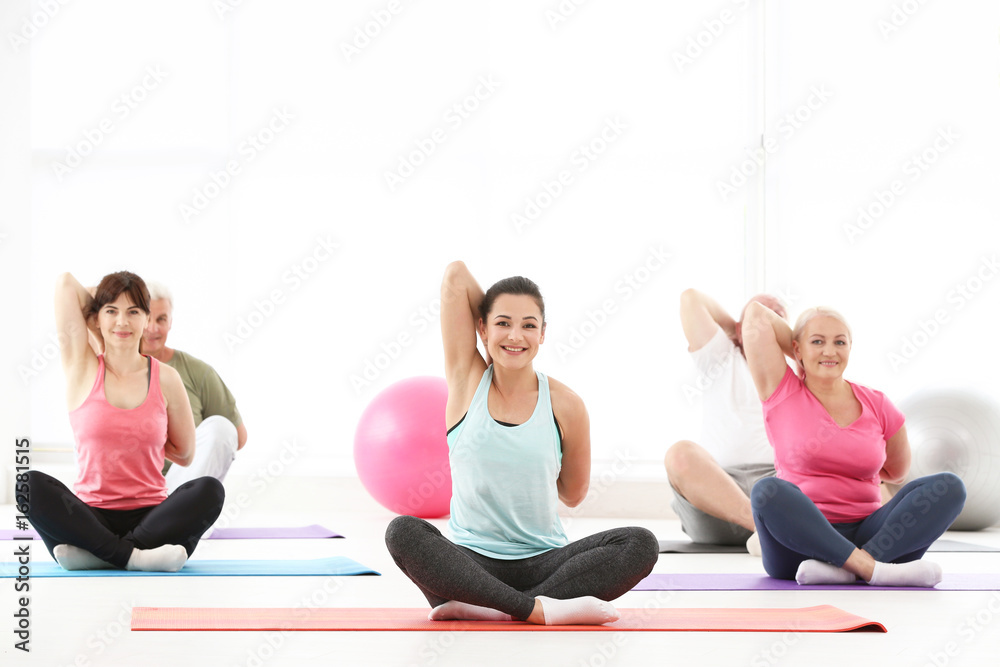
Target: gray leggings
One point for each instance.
(605, 565)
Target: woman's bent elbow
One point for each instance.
(573, 499)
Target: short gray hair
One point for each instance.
(158, 290)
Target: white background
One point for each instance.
(687, 92)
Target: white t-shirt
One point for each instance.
(732, 419)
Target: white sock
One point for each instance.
(75, 558)
(915, 573)
(586, 610)
(452, 610)
(168, 558)
(818, 572)
(753, 545)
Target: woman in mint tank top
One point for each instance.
(822, 520)
(519, 442)
(128, 413)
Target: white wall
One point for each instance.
(683, 92)
(909, 135)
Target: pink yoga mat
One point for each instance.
(762, 582)
(824, 618)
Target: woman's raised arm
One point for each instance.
(463, 364)
(767, 340)
(72, 300)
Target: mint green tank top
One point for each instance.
(504, 499)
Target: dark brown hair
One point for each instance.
(517, 285)
(114, 285)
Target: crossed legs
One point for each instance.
(712, 505)
(113, 536)
(795, 535)
(543, 589)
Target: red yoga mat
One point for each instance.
(823, 618)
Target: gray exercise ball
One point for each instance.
(958, 431)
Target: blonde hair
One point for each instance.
(810, 314)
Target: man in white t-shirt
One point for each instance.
(712, 479)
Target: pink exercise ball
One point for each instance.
(401, 450)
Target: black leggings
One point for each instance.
(605, 565)
(62, 518)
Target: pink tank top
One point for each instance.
(120, 452)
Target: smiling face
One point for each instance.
(823, 347)
(161, 318)
(121, 323)
(513, 330)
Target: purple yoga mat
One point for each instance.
(762, 582)
(290, 533)
(295, 533)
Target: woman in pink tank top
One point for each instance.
(128, 414)
(821, 520)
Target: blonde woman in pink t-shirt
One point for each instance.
(128, 412)
(821, 520)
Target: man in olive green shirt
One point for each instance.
(220, 432)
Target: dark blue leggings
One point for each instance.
(792, 529)
(606, 565)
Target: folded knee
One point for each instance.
(210, 491)
(645, 540)
(401, 529)
(945, 485)
(220, 429)
(763, 491)
(633, 542)
(646, 543)
(956, 487)
(39, 486)
(681, 460)
(38, 478)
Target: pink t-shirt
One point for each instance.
(837, 468)
(119, 452)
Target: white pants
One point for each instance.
(214, 451)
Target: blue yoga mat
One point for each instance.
(319, 567)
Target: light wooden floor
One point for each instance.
(84, 622)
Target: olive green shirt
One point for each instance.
(206, 391)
